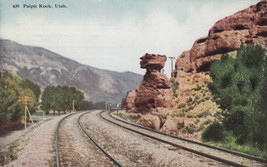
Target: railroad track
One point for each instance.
(58, 161)
(225, 156)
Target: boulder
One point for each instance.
(129, 103)
(170, 127)
(151, 121)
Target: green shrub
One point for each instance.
(197, 88)
(238, 87)
(189, 129)
(189, 100)
(206, 122)
(191, 116)
(182, 114)
(214, 132)
(201, 127)
(181, 105)
(207, 98)
(180, 125)
(191, 108)
(204, 114)
(175, 86)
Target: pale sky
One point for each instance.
(114, 34)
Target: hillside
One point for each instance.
(47, 68)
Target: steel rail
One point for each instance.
(57, 131)
(176, 145)
(91, 138)
(195, 142)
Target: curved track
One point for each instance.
(58, 160)
(219, 154)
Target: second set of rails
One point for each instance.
(224, 156)
(58, 160)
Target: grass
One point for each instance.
(9, 154)
(230, 143)
(127, 117)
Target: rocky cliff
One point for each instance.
(194, 104)
(154, 93)
(248, 26)
(47, 68)
(194, 107)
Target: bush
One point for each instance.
(180, 125)
(238, 86)
(175, 86)
(197, 88)
(189, 129)
(181, 105)
(214, 132)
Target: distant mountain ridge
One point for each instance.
(47, 68)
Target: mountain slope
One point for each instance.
(47, 68)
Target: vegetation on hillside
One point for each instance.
(240, 88)
(11, 88)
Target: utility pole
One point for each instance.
(172, 58)
(73, 108)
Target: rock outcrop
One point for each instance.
(150, 121)
(248, 26)
(155, 93)
(170, 127)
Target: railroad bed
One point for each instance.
(75, 146)
(222, 155)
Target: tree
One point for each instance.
(238, 86)
(60, 98)
(11, 88)
(85, 105)
(123, 101)
(34, 87)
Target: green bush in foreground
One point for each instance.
(214, 132)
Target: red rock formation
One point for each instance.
(170, 126)
(248, 26)
(155, 92)
(151, 121)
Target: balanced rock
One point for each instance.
(248, 26)
(153, 61)
(155, 90)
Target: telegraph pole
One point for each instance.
(73, 108)
(172, 58)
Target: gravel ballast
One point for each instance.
(35, 146)
(131, 149)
